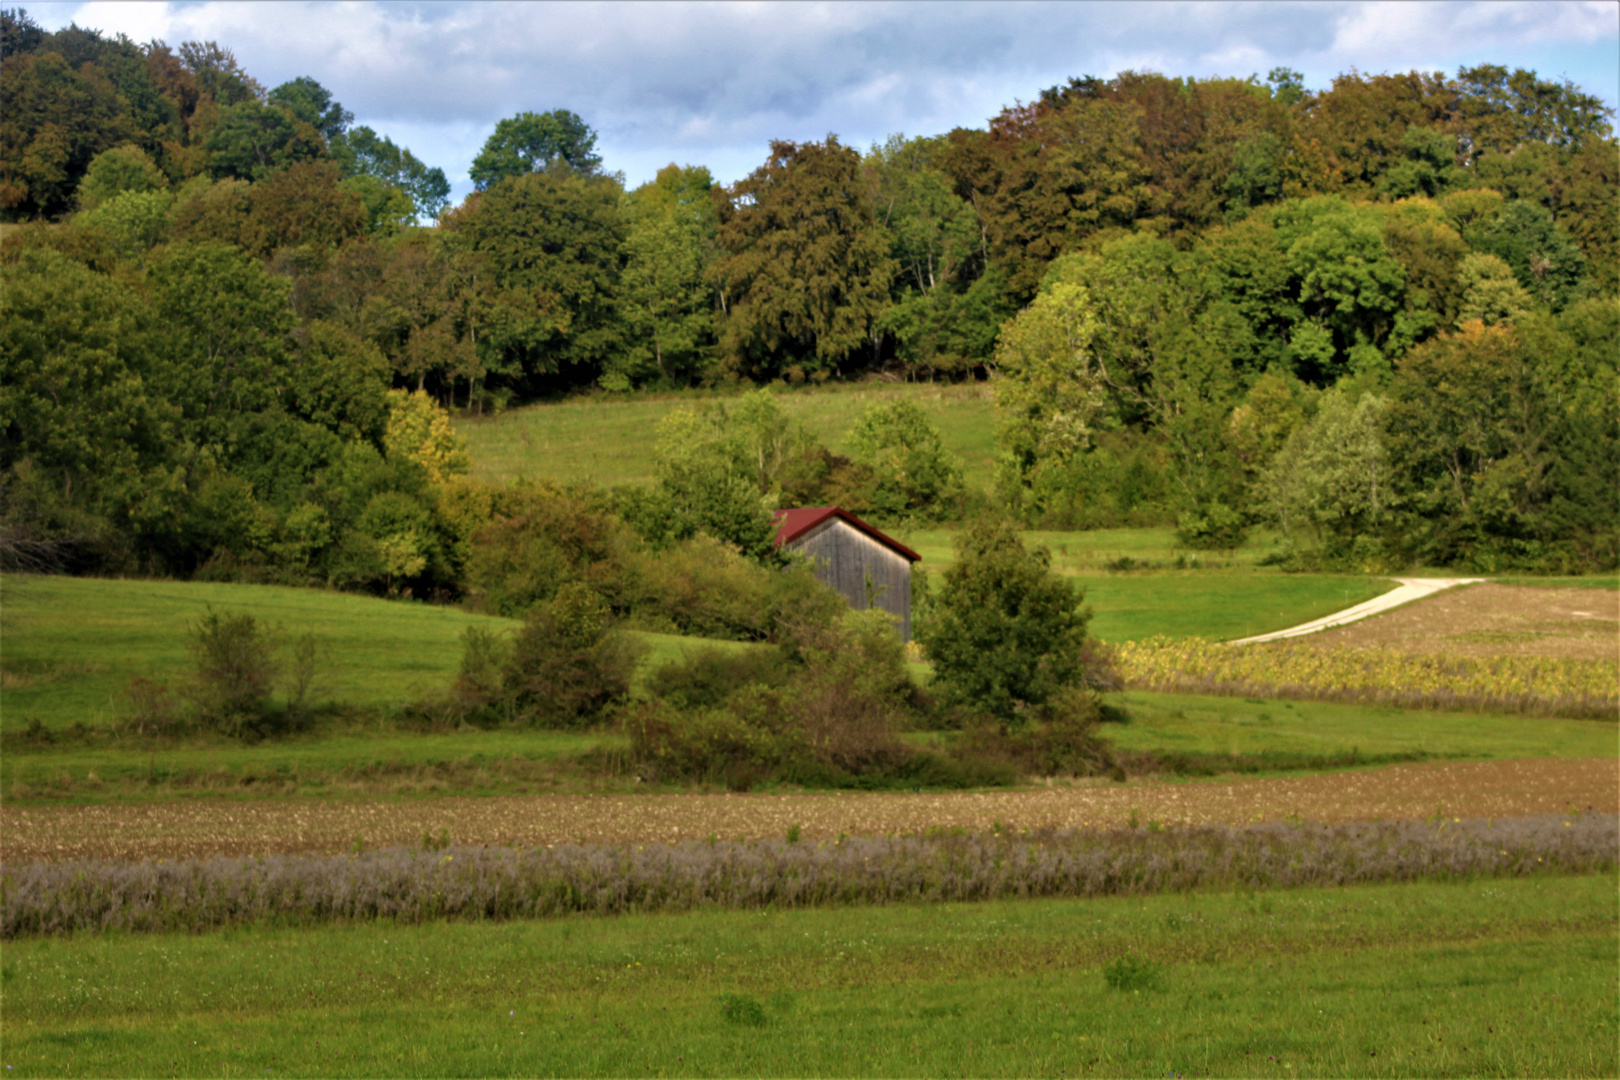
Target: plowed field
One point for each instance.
(1493, 620)
(201, 828)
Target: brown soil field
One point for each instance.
(212, 827)
(1492, 620)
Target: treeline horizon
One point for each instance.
(1379, 317)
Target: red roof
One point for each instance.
(793, 524)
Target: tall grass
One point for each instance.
(432, 882)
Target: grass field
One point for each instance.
(611, 440)
(1490, 976)
(72, 645)
(1272, 735)
(1197, 724)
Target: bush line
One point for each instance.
(466, 883)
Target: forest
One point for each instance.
(237, 327)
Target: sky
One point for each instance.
(712, 83)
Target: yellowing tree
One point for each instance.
(1050, 390)
(419, 430)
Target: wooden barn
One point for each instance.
(866, 567)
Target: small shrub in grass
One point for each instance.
(152, 710)
(1058, 739)
(742, 1009)
(568, 666)
(235, 673)
(1132, 973)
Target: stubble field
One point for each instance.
(1492, 789)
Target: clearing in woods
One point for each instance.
(612, 440)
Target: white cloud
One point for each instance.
(712, 83)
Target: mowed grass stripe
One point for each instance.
(1418, 979)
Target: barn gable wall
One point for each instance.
(864, 571)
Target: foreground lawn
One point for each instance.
(613, 440)
(1498, 977)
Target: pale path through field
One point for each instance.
(1409, 589)
(216, 827)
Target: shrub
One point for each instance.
(235, 672)
(1213, 526)
(152, 709)
(1130, 973)
(546, 538)
(706, 678)
(825, 708)
(484, 656)
(568, 666)
(1057, 739)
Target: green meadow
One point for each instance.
(72, 645)
(1498, 977)
(1202, 725)
(611, 440)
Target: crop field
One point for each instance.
(175, 829)
(1492, 620)
(1532, 685)
(612, 441)
(1498, 976)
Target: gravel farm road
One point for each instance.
(204, 827)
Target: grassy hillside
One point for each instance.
(610, 440)
(72, 645)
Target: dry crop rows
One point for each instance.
(1532, 685)
(1492, 789)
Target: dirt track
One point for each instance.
(178, 829)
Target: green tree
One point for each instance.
(664, 298)
(1050, 395)
(1005, 633)
(711, 482)
(551, 244)
(903, 449)
(1350, 287)
(1503, 444)
(113, 172)
(534, 142)
(79, 425)
(1544, 259)
(805, 272)
(361, 152)
(1490, 292)
(223, 350)
(1331, 479)
(310, 102)
(946, 309)
(253, 141)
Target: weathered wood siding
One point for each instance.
(865, 572)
